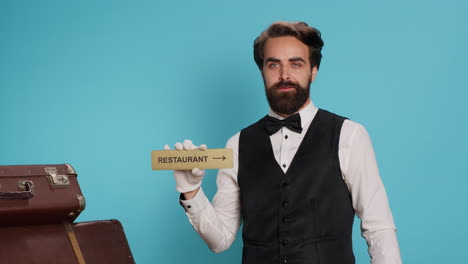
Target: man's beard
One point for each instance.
(287, 102)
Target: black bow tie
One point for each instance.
(293, 122)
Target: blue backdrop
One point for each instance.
(100, 84)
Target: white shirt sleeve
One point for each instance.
(218, 222)
(361, 174)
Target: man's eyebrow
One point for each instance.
(297, 59)
(272, 59)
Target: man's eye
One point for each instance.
(273, 65)
(296, 65)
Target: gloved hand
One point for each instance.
(186, 180)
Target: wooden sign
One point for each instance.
(190, 159)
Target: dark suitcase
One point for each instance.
(38, 204)
(39, 194)
(96, 242)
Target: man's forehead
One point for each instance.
(285, 48)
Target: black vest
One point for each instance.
(304, 216)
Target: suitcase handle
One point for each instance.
(22, 195)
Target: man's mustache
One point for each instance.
(286, 84)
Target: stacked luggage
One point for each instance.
(38, 207)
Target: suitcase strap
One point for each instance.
(74, 243)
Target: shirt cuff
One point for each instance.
(196, 204)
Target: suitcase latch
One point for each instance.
(56, 180)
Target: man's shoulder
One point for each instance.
(348, 126)
(233, 142)
(331, 115)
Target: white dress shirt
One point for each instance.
(218, 222)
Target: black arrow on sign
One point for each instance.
(223, 158)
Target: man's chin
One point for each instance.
(286, 101)
(285, 107)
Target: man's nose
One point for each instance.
(284, 74)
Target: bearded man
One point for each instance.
(300, 173)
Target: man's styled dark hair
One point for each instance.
(308, 35)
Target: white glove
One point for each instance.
(187, 181)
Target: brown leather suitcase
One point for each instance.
(39, 194)
(96, 242)
(38, 204)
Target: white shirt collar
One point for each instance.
(307, 115)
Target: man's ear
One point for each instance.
(314, 73)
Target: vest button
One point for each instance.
(284, 243)
(284, 261)
(285, 220)
(284, 204)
